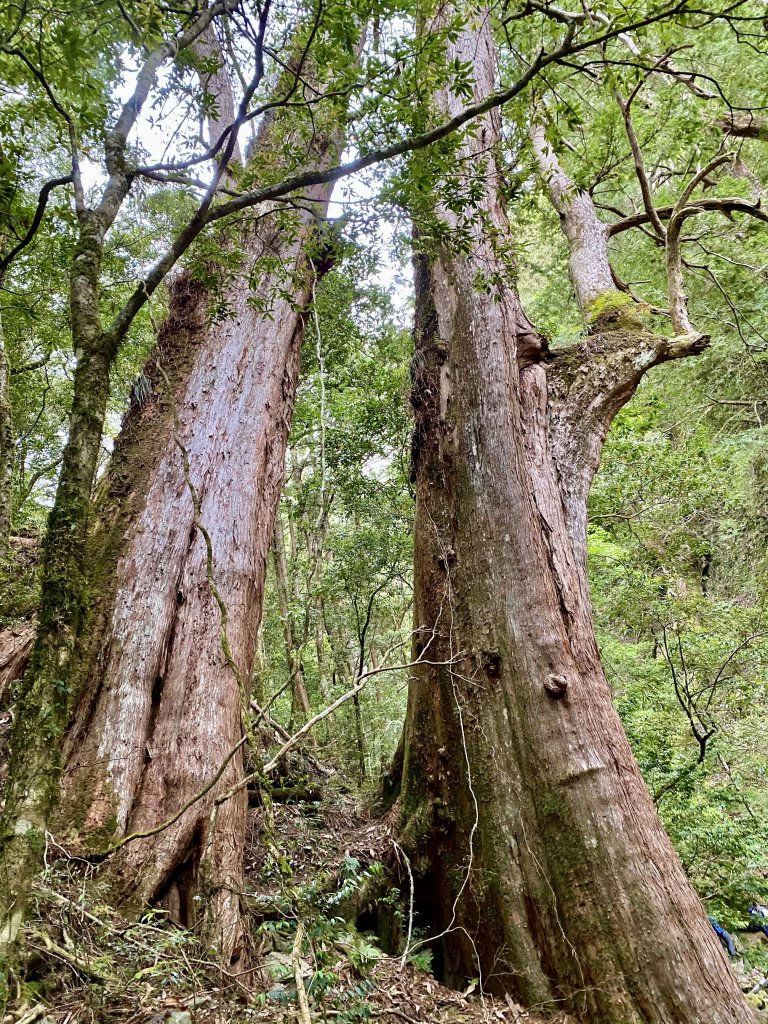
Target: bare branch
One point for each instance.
(745, 126)
(145, 80)
(678, 301)
(39, 74)
(299, 735)
(301, 993)
(148, 833)
(718, 161)
(739, 647)
(739, 403)
(42, 203)
(726, 206)
(36, 364)
(637, 155)
(120, 176)
(38, 474)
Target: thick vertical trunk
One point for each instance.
(156, 702)
(161, 710)
(543, 864)
(183, 561)
(6, 447)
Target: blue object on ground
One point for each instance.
(725, 937)
(758, 918)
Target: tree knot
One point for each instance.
(556, 686)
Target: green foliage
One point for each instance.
(348, 513)
(341, 958)
(682, 627)
(422, 960)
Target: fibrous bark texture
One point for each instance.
(6, 447)
(160, 710)
(15, 644)
(44, 703)
(543, 866)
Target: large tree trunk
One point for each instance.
(162, 708)
(543, 865)
(160, 711)
(6, 445)
(44, 699)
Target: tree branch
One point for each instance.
(36, 364)
(587, 385)
(205, 216)
(586, 234)
(148, 833)
(117, 138)
(637, 155)
(726, 206)
(320, 716)
(745, 125)
(42, 203)
(678, 301)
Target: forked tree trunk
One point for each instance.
(543, 865)
(160, 711)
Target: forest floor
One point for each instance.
(338, 833)
(313, 862)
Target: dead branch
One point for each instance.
(301, 993)
(745, 125)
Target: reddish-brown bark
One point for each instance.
(201, 461)
(15, 645)
(543, 865)
(160, 709)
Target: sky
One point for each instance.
(154, 129)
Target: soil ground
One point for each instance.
(311, 863)
(85, 962)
